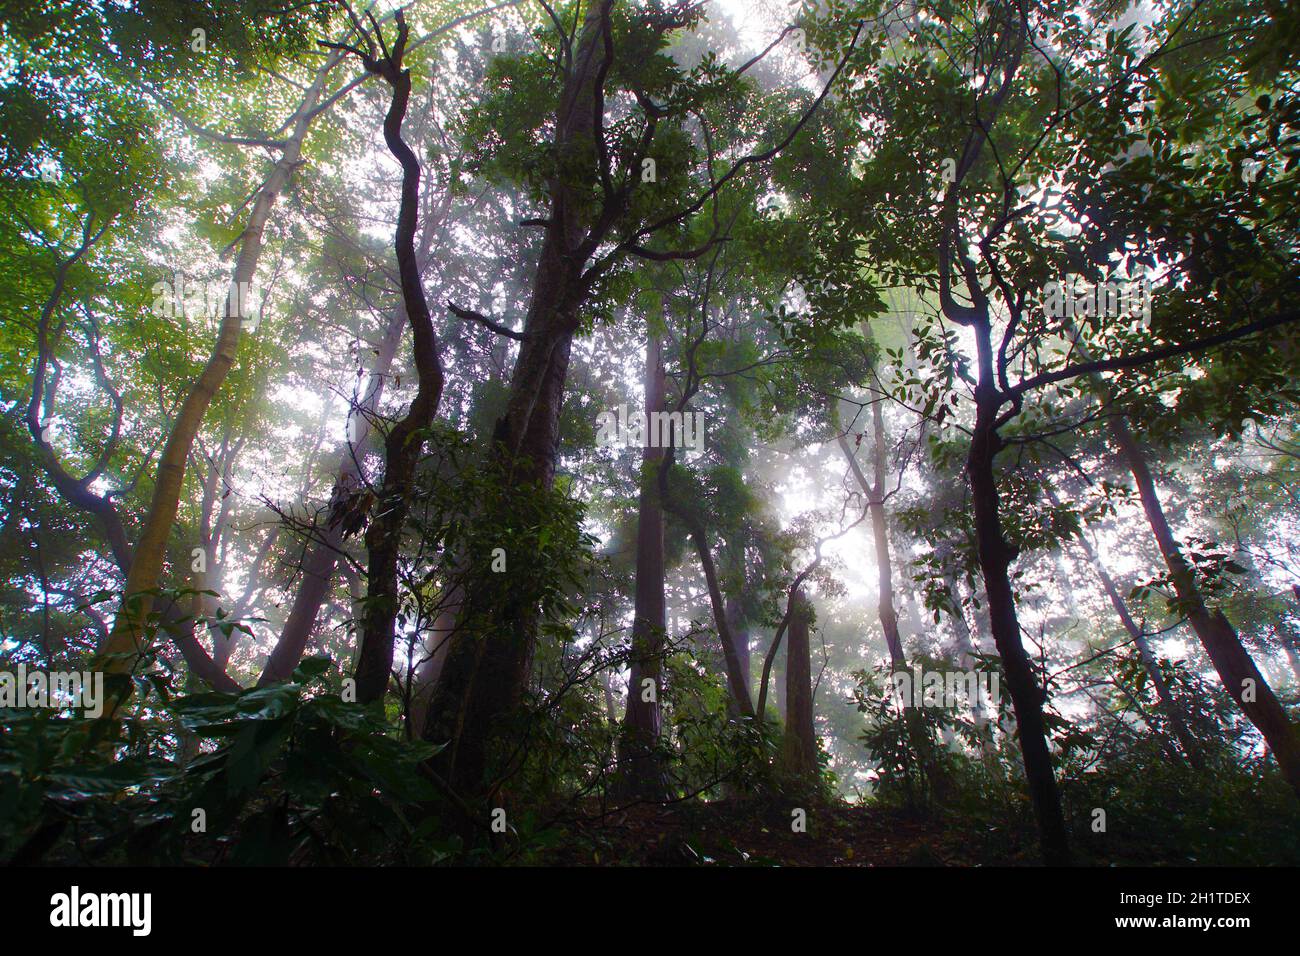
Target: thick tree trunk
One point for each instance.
(799, 741)
(641, 774)
(484, 679)
(995, 557)
(128, 639)
(1241, 678)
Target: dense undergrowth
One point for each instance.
(295, 775)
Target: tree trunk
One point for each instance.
(641, 774)
(964, 643)
(326, 542)
(874, 492)
(483, 680)
(995, 557)
(1289, 640)
(404, 442)
(434, 649)
(734, 614)
(799, 741)
(1241, 678)
(128, 639)
(1169, 704)
(736, 660)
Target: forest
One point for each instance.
(622, 433)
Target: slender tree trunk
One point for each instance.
(1241, 678)
(641, 772)
(874, 492)
(737, 666)
(128, 639)
(1169, 704)
(964, 642)
(325, 545)
(404, 442)
(322, 552)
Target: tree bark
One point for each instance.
(736, 661)
(734, 614)
(995, 557)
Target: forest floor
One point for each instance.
(745, 833)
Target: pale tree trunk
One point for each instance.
(734, 615)
(874, 491)
(1169, 704)
(128, 638)
(611, 708)
(434, 649)
(1292, 657)
(327, 539)
(964, 642)
(735, 644)
(1290, 642)
(223, 652)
